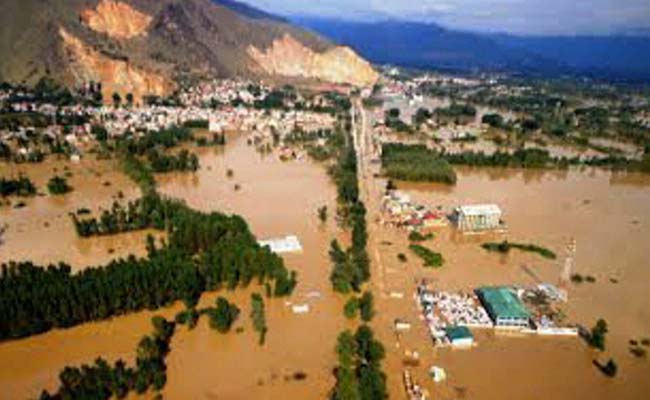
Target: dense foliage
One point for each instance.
(58, 185)
(223, 315)
(352, 265)
(359, 375)
(20, 186)
(415, 163)
(204, 252)
(183, 161)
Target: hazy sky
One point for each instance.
(519, 16)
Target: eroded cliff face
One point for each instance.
(117, 76)
(116, 19)
(288, 57)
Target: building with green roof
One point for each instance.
(459, 336)
(504, 307)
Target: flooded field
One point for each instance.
(277, 199)
(43, 232)
(609, 217)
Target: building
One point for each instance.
(459, 336)
(288, 244)
(478, 217)
(504, 307)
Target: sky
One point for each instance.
(546, 17)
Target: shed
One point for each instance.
(459, 336)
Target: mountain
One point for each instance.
(147, 47)
(249, 11)
(428, 45)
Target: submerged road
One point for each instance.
(369, 190)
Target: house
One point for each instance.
(478, 217)
(459, 336)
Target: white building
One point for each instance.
(478, 217)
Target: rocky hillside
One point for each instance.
(147, 46)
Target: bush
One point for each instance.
(58, 185)
(430, 257)
(223, 316)
(416, 236)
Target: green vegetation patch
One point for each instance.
(58, 185)
(430, 257)
(415, 163)
(258, 316)
(505, 247)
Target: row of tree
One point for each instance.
(183, 161)
(351, 267)
(203, 252)
(359, 375)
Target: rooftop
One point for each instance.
(479, 209)
(502, 302)
(458, 332)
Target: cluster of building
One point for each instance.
(398, 210)
(195, 107)
(449, 316)
(224, 91)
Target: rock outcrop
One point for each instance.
(144, 46)
(116, 19)
(289, 57)
(117, 76)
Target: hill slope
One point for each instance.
(146, 47)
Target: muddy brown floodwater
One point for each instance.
(609, 217)
(607, 214)
(43, 232)
(277, 199)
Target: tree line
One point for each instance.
(359, 375)
(203, 252)
(351, 267)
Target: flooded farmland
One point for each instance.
(608, 215)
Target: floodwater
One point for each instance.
(609, 217)
(607, 214)
(277, 199)
(43, 231)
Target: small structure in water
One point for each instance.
(288, 244)
(459, 336)
(478, 217)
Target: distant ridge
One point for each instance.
(249, 11)
(428, 45)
